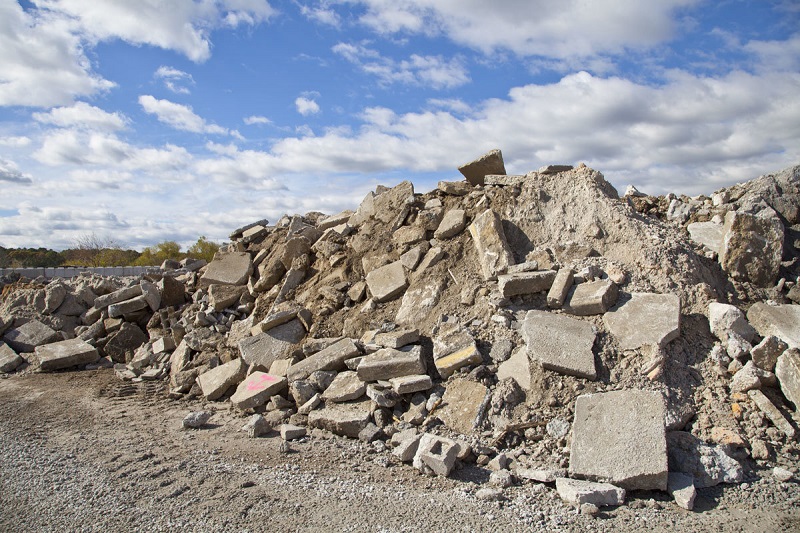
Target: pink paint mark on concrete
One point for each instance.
(261, 382)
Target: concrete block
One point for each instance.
(466, 356)
(346, 419)
(645, 319)
(123, 343)
(65, 354)
(560, 343)
(782, 321)
(461, 405)
(151, 295)
(331, 358)
(439, 454)
(708, 234)
(453, 223)
(787, 370)
(128, 306)
(724, 319)
(281, 342)
(517, 367)
(389, 363)
(406, 448)
(9, 360)
(681, 487)
(28, 336)
(418, 302)
(620, 437)
(592, 298)
(411, 384)
(292, 432)
(232, 268)
(765, 354)
(773, 413)
(577, 492)
(525, 282)
(387, 282)
(257, 389)
(494, 254)
(345, 387)
(560, 288)
(101, 302)
(454, 188)
(216, 382)
(397, 339)
(223, 296)
(752, 247)
(489, 163)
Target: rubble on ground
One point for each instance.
(536, 326)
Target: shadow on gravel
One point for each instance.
(472, 473)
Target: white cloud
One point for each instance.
(175, 80)
(15, 141)
(10, 174)
(256, 119)
(531, 27)
(306, 106)
(429, 71)
(179, 116)
(776, 55)
(84, 116)
(322, 14)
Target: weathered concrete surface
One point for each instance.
(346, 419)
(101, 302)
(345, 387)
(525, 282)
(708, 234)
(216, 382)
(681, 487)
(725, 318)
(494, 253)
(592, 298)
(257, 389)
(560, 288)
(773, 413)
(331, 358)
(645, 319)
(412, 383)
(782, 321)
(387, 282)
(223, 296)
(765, 354)
(9, 359)
(560, 343)
(619, 437)
(123, 343)
(752, 247)
(437, 453)
(708, 465)
(489, 163)
(232, 268)
(28, 336)
(280, 342)
(389, 363)
(465, 356)
(577, 492)
(787, 369)
(518, 367)
(65, 354)
(418, 301)
(452, 224)
(461, 405)
(125, 307)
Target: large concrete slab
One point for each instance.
(708, 234)
(494, 253)
(345, 387)
(233, 268)
(461, 405)
(476, 171)
(787, 369)
(27, 337)
(9, 360)
(387, 282)
(560, 343)
(525, 282)
(592, 298)
(280, 342)
(752, 247)
(389, 363)
(331, 358)
(65, 354)
(101, 302)
(346, 419)
(645, 319)
(216, 382)
(620, 437)
(518, 367)
(782, 321)
(257, 389)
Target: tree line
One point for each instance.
(93, 251)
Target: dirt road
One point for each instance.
(81, 451)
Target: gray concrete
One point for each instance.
(773, 413)
(787, 369)
(577, 492)
(345, 387)
(494, 254)
(708, 234)
(280, 342)
(620, 437)
(216, 382)
(645, 319)
(233, 268)
(439, 454)
(517, 367)
(752, 247)
(560, 288)
(476, 171)
(525, 282)
(387, 282)
(592, 298)
(9, 359)
(782, 321)
(257, 389)
(65, 354)
(461, 405)
(346, 419)
(453, 223)
(389, 363)
(331, 358)
(560, 343)
(28, 336)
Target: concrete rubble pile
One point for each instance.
(538, 326)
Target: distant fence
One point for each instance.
(71, 272)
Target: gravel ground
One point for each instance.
(76, 457)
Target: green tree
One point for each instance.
(157, 254)
(203, 249)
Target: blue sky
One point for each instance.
(166, 120)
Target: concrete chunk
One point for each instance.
(28, 336)
(466, 356)
(494, 253)
(725, 318)
(455, 188)
(593, 298)
(461, 405)
(681, 487)
(708, 465)
(346, 419)
(101, 302)
(560, 288)
(387, 282)
(223, 296)
(397, 338)
(645, 319)
(782, 321)
(560, 343)
(765, 354)
(128, 306)
(345, 387)
(452, 224)
(577, 492)
(708, 234)
(489, 163)
(439, 454)
(65, 354)
(280, 342)
(257, 389)
(620, 437)
(418, 301)
(525, 282)
(517, 367)
(232, 268)
(9, 360)
(411, 384)
(773, 413)
(389, 363)
(331, 358)
(216, 382)
(787, 369)
(752, 247)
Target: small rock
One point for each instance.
(197, 419)
(782, 474)
(490, 495)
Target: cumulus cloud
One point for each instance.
(84, 116)
(179, 116)
(429, 71)
(322, 14)
(10, 174)
(306, 106)
(256, 119)
(15, 141)
(174, 80)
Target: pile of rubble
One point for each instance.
(536, 325)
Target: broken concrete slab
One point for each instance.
(708, 465)
(101, 302)
(468, 354)
(490, 242)
(725, 318)
(765, 354)
(554, 169)
(708, 234)
(517, 367)
(127, 306)
(432, 257)
(331, 358)
(489, 163)
(257, 389)
(578, 492)
(461, 405)
(560, 343)
(418, 301)
(9, 359)
(782, 321)
(411, 384)
(592, 298)
(645, 319)
(173, 292)
(123, 343)
(65, 354)
(28, 336)
(409, 235)
(525, 282)
(389, 363)
(454, 188)
(397, 338)
(773, 413)
(232, 268)
(752, 247)
(560, 288)
(453, 223)
(151, 294)
(390, 205)
(387, 282)
(281, 342)
(216, 382)
(681, 487)
(223, 296)
(787, 370)
(346, 386)
(619, 437)
(346, 419)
